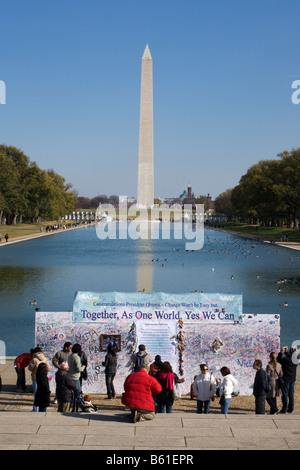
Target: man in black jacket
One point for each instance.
(289, 369)
(259, 387)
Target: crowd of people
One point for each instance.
(152, 386)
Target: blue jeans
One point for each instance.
(288, 397)
(200, 404)
(78, 388)
(161, 408)
(34, 386)
(109, 378)
(225, 406)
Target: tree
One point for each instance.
(29, 193)
(223, 204)
(269, 193)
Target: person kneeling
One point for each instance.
(138, 396)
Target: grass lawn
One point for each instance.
(24, 230)
(265, 233)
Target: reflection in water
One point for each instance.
(144, 269)
(14, 278)
(51, 270)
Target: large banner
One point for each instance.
(185, 330)
(94, 307)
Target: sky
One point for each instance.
(222, 87)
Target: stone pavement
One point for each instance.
(111, 430)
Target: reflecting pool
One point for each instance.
(50, 269)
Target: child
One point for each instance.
(88, 406)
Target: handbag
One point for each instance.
(176, 392)
(222, 400)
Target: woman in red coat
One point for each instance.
(139, 387)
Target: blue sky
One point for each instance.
(222, 74)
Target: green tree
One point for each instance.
(29, 193)
(223, 203)
(269, 193)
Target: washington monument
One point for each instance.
(145, 193)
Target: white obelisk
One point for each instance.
(145, 193)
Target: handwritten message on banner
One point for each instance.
(93, 307)
(184, 329)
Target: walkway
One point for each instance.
(112, 430)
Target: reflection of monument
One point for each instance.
(145, 193)
(144, 269)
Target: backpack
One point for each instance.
(268, 383)
(139, 363)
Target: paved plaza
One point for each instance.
(112, 430)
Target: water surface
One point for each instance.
(51, 269)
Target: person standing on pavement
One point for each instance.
(110, 364)
(155, 366)
(60, 357)
(84, 362)
(226, 388)
(75, 367)
(274, 370)
(167, 379)
(65, 388)
(289, 372)
(37, 358)
(42, 396)
(141, 357)
(204, 388)
(20, 363)
(259, 387)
